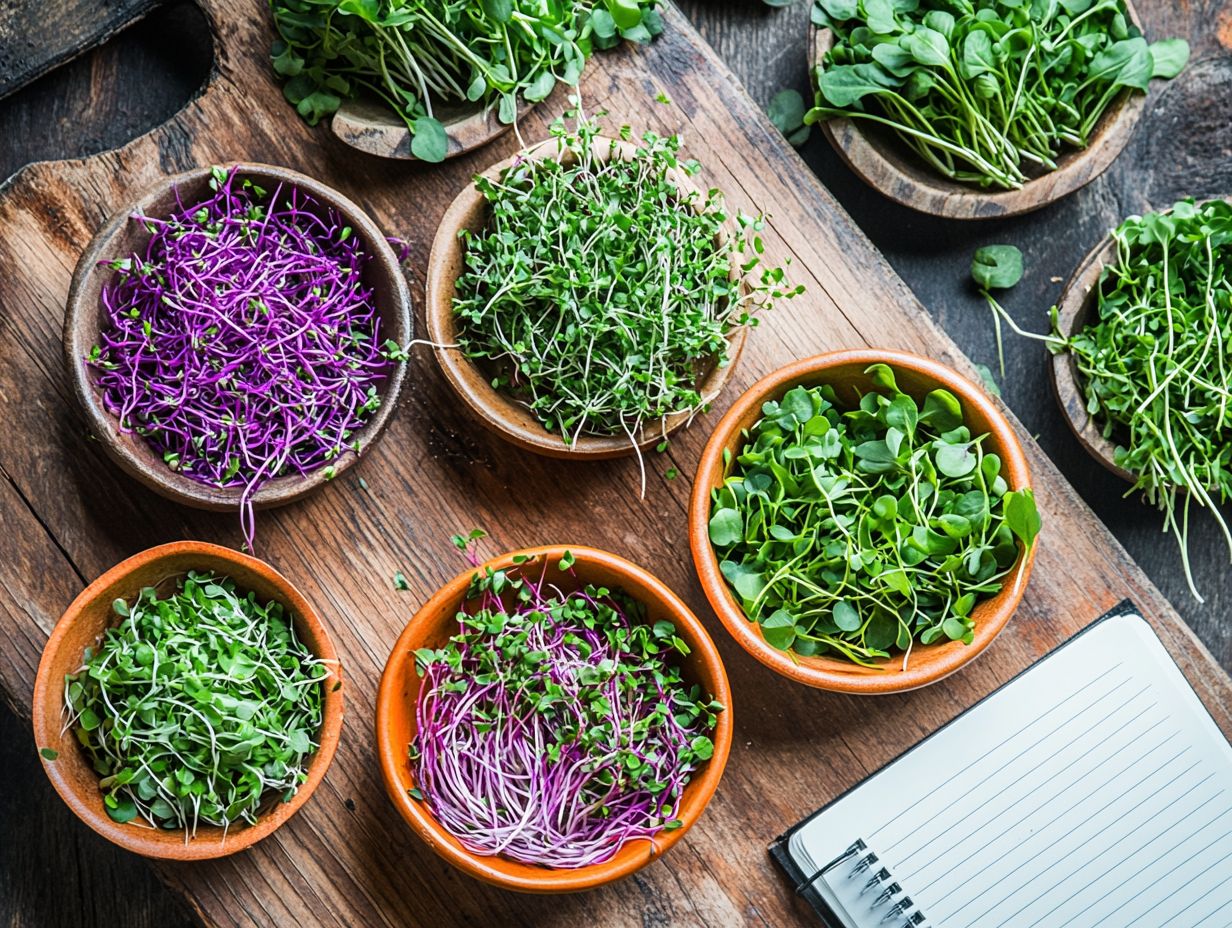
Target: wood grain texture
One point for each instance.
(35, 37)
(90, 516)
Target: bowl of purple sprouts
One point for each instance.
(553, 720)
(236, 336)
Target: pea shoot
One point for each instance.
(986, 92)
(601, 291)
(1155, 361)
(419, 58)
(197, 707)
(856, 532)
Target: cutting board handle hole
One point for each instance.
(108, 94)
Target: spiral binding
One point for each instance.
(891, 902)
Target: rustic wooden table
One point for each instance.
(53, 872)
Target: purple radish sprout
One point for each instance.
(243, 344)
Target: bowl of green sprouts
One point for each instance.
(1142, 360)
(430, 80)
(863, 521)
(982, 108)
(188, 702)
(587, 298)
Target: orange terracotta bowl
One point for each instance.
(500, 412)
(844, 370)
(436, 622)
(83, 624)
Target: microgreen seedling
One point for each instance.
(197, 707)
(555, 727)
(856, 532)
(985, 93)
(600, 293)
(420, 58)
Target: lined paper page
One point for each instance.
(1092, 792)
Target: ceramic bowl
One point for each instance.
(432, 626)
(498, 411)
(83, 624)
(84, 321)
(883, 162)
(844, 370)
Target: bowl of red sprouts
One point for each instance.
(235, 336)
(553, 720)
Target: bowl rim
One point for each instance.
(88, 277)
(392, 755)
(828, 673)
(500, 413)
(369, 125)
(138, 839)
(1074, 309)
(937, 195)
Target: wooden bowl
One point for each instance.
(435, 623)
(886, 164)
(1076, 307)
(844, 370)
(498, 411)
(370, 126)
(84, 623)
(84, 321)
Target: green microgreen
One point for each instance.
(856, 532)
(602, 290)
(419, 57)
(197, 706)
(986, 92)
(996, 267)
(1155, 361)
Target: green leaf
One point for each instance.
(846, 617)
(625, 13)
(928, 47)
(124, 810)
(429, 141)
(1022, 516)
(1169, 57)
(726, 528)
(1126, 63)
(786, 111)
(942, 410)
(956, 460)
(779, 630)
(847, 84)
(997, 267)
(499, 10)
(49, 753)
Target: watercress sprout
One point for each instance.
(855, 532)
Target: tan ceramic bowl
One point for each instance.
(435, 623)
(844, 370)
(883, 162)
(84, 320)
(83, 624)
(502, 414)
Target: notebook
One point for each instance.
(1092, 791)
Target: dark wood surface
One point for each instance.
(53, 873)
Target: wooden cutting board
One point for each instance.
(347, 859)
